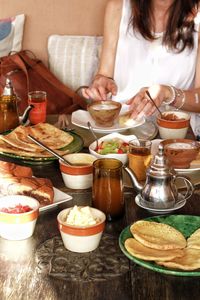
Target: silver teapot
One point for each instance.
(159, 190)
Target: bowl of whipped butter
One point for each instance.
(81, 228)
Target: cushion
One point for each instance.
(11, 34)
(74, 59)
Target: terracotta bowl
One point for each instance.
(104, 113)
(173, 124)
(81, 238)
(180, 152)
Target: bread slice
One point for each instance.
(194, 240)
(138, 250)
(158, 235)
(39, 188)
(188, 262)
(18, 180)
(8, 169)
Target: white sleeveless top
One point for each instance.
(141, 63)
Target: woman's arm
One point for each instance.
(103, 83)
(188, 100)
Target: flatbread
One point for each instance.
(194, 240)
(188, 262)
(7, 148)
(158, 235)
(51, 136)
(138, 250)
(18, 143)
(13, 138)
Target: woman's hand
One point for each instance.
(100, 88)
(141, 105)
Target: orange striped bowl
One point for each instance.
(18, 226)
(173, 129)
(79, 175)
(78, 238)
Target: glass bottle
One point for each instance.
(9, 118)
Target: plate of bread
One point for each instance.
(16, 143)
(19, 180)
(166, 244)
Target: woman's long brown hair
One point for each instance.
(180, 25)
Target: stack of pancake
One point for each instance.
(17, 141)
(165, 245)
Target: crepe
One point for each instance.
(158, 235)
(189, 261)
(138, 250)
(18, 143)
(51, 136)
(194, 240)
(15, 139)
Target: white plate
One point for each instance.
(59, 197)
(160, 211)
(81, 117)
(154, 149)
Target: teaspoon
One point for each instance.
(148, 94)
(94, 135)
(49, 150)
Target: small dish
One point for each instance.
(123, 157)
(81, 117)
(78, 175)
(180, 152)
(81, 238)
(104, 113)
(18, 216)
(180, 203)
(174, 124)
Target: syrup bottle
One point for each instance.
(9, 118)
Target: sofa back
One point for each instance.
(47, 17)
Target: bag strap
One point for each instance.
(44, 72)
(16, 58)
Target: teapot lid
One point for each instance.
(8, 89)
(159, 165)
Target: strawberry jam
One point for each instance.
(17, 209)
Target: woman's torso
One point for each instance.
(141, 63)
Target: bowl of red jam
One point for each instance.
(18, 216)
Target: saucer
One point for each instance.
(178, 205)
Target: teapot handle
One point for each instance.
(189, 186)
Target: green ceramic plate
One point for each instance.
(75, 146)
(186, 224)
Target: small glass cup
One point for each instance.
(107, 189)
(139, 157)
(39, 100)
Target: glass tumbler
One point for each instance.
(107, 189)
(39, 100)
(139, 157)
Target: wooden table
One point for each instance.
(40, 268)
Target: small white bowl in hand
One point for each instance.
(18, 226)
(120, 156)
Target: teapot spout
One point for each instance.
(134, 180)
(25, 115)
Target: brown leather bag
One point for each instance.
(30, 74)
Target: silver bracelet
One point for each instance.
(182, 101)
(173, 98)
